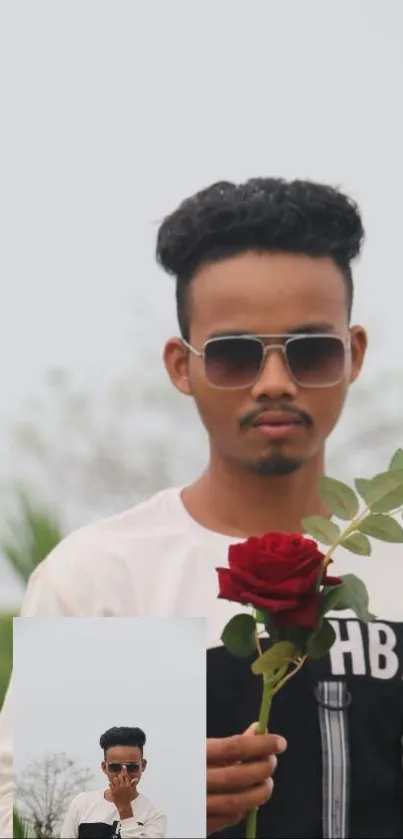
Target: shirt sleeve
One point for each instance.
(53, 590)
(154, 827)
(70, 823)
(83, 577)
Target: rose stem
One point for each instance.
(263, 724)
(251, 823)
(265, 708)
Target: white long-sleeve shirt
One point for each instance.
(91, 815)
(155, 561)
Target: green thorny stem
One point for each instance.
(272, 686)
(351, 528)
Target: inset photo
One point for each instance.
(109, 728)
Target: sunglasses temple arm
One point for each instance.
(192, 349)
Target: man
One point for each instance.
(264, 293)
(119, 812)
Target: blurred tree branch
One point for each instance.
(94, 453)
(45, 790)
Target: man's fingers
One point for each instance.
(217, 823)
(226, 750)
(240, 775)
(231, 803)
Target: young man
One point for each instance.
(266, 349)
(120, 811)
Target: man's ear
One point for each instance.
(176, 359)
(359, 343)
(103, 767)
(144, 765)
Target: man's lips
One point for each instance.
(273, 418)
(277, 425)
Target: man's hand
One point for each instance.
(122, 793)
(239, 771)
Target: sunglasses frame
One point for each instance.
(122, 765)
(287, 339)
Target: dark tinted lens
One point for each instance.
(233, 362)
(315, 360)
(117, 767)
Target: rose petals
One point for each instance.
(277, 573)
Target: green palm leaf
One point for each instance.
(32, 534)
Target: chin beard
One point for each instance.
(276, 464)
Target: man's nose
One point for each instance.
(275, 380)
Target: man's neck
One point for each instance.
(232, 501)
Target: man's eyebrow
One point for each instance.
(312, 328)
(301, 329)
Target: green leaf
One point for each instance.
(362, 486)
(334, 598)
(357, 543)
(397, 460)
(273, 658)
(321, 640)
(384, 492)
(239, 636)
(350, 594)
(262, 617)
(385, 528)
(322, 529)
(339, 498)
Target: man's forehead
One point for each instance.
(125, 750)
(261, 300)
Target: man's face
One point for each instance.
(260, 294)
(118, 757)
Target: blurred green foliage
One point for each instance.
(6, 652)
(31, 534)
(20, 829)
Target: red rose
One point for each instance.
(277, 573)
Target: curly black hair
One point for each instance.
(122, 736)
(263, 214)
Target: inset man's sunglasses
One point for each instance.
(118, 767)
(236, 361)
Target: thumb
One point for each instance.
(252, 729)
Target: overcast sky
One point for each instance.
(112, 112)
(75, 678)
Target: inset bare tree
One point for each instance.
(45, 790)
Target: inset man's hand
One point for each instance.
(122, 794)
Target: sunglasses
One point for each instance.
(118, 767)
(237, 361)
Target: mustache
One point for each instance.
(302, 416)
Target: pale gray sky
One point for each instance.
(75, 678)
(114, 112)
